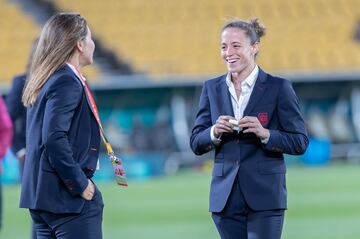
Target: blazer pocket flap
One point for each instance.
(45, 164)
(272, 167)
(218, 169)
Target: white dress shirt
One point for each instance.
(239, 104)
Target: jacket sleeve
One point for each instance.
(63, 98)
(5, 129)
(200, 140)
(13, 98)
(291, 136)
(16, 111)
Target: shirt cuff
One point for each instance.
(265, 140)
(215, 140)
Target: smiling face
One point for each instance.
(237, 51)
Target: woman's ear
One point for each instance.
(256, 48)
(80, 46)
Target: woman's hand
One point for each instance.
(252, 124)
(222, 125)
(89, 191)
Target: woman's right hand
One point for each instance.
(89, 191)
(222, 125)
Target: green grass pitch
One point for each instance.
(324, 203)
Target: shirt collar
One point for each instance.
(249, 81)
(75, 71)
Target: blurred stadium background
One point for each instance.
(151, 59)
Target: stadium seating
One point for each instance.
(182, 37)
(17, 34)
(18, 30)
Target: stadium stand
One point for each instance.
(18, 30)
(17, 34)
(182, 37)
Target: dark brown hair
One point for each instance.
(253, 28)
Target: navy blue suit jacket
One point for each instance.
(63, 142)
(261, 168)
(17, 112)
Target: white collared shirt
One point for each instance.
(239, 104)
(247, 86)
(75, 71)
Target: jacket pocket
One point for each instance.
(272, 167)
(45, 164)
(218, 169)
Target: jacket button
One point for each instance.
(237, 162)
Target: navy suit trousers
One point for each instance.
(85, 225)
(238, 221)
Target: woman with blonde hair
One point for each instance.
(63, 137)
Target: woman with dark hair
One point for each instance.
(63, 137)
(17, 111)
(250, 118)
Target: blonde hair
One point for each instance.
(56, 45)
(31, 55)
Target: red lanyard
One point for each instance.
(94, 107)
(95, 111)
(115, 161)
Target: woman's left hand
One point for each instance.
(251, 124)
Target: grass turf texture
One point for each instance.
(323, 203)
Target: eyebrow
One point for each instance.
(235, 42)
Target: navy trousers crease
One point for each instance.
(238, 221)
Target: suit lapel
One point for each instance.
(225, 97)
(86, 95)
(257, 92)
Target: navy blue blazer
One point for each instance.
(17, 112)
(261, 168)
(63, 141)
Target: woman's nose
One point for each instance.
(229, 51)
